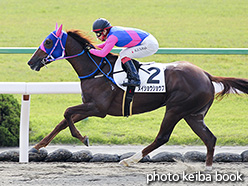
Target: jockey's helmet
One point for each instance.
(101, 24)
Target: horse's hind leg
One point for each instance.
(196, 122)
(167, 126)
(61, 126)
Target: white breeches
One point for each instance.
(148, 47)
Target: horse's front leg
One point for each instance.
(88, 109)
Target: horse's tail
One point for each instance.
(230, 84)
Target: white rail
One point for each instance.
(26, 89)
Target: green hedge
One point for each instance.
(9, 120)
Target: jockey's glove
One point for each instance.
(89, 46)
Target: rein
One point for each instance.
(99, 68)
(50, 58)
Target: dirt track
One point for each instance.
(76, 174)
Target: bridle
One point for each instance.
(50, 58)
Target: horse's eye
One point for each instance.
(48, 43)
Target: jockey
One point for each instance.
(137, 43)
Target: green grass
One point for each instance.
(181, 23)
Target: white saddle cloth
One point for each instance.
(151, 77)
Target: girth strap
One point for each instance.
(128, 101)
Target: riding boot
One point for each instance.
(132, 74)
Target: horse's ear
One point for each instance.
(56, 27)
(59, 31)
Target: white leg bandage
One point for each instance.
(133, 159)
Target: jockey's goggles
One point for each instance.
(98, 34)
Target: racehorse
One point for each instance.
(189, 92)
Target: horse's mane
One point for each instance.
(83, 38)
(80, 36)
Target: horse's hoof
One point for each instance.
(86, 141)
(34, 150)
(124, 163)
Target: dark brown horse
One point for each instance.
(190, 93)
